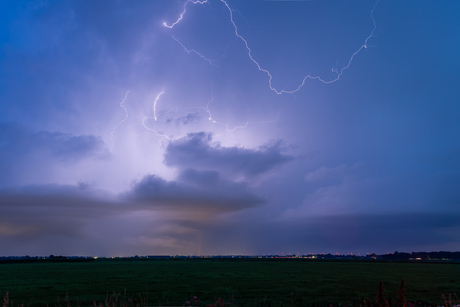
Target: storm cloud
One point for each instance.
(300, 127)
(197, 150)
(194, 190)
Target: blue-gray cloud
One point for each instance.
(23, 152)
(194, 190)
(198, 151)
(17, 141)
(185, 120)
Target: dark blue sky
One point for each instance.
(242, 127)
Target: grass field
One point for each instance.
(242, 282)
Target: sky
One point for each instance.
(225, 127)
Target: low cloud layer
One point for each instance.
(30, 212)
(194, 190)
(352, 233)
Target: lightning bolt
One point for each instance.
(124, 119)
(155, 117)
(155, 104)
(267, 72)
(154, 131)
(184, 11)
(211, 119)
(204, 108)
(196, 52)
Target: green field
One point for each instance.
(243, 282)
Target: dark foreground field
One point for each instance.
(242, 282)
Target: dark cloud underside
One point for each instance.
(194, 190)
(198, 151)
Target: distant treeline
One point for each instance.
(421, 256)
(51, 258)
(396, 256)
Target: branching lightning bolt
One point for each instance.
(194, 51)
(217, 122)
(124, 119)
(270, 76)
(154, 131)
(339, 73)
(183, 12)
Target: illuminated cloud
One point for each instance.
(156, 242)
(197, 150)
(189, 118)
